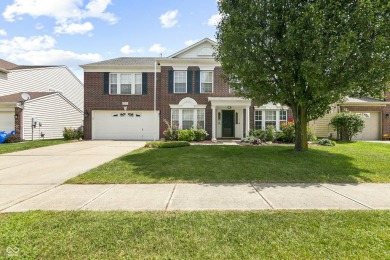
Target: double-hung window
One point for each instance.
(206, 82)
(264, 118)
(180, 83)
(126, 84)
(188, 118)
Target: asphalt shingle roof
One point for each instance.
(17, 97)
(7, 65)
(125, 61)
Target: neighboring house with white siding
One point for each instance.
(43, 116)
(56, 100)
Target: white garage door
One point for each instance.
(372, 126)
(7, 121)
(124, 125)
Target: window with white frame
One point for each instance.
(188, 118)
(180, 83)
(270, 118)
(264, 118)
(126, 84)
(258, 119)
(206, 82)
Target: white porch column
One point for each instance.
(213, 125)
(247, 123)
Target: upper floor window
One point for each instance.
(126, 83)
(180, 83)
(206, 82)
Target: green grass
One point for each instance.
(344, 163)
(198, 235)
(158, 144)
(14, 147)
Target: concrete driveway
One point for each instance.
(27, 173)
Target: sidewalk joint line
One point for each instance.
(170, 197)
(361, 203)
(36, 195)
(97, 196)
(261, 195)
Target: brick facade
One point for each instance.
(95, 99)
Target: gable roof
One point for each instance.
(22, 67)
(365, 101)
(124, 61)
(205, 40)
(7, 65)
(17, 97)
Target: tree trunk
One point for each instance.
(300, 118)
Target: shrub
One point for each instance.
(326, 142)
(12, 138)
(258, 133)
(73, 134)
(270, 133)
(186, 135)
(200, 134)
(347, 125)
(288, 132)
(158, 144)
(171, 132)
(248, 139)
(311, 135)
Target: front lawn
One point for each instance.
(197, 235)
(14, 147)
(344, 163)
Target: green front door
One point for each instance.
(227, 123)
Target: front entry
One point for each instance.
(227, 123)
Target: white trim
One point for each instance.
(123, 69)
(229, 101)
(194, 117)
(193, 46)
(118, 83)
(263, 119)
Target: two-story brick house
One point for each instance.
(131, 98)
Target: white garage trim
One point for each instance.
(123, 125)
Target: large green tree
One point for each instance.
(307, 54)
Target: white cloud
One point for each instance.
(127, 50)
(74, 28)
(214, 20)
(65, 12)
(157, 48)
(3, 32)
(40, 50)
(168, 19)
(54, 57)
(190, 42)
(23, 44)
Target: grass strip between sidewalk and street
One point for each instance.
(354, 162)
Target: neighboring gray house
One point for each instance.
(55, 100)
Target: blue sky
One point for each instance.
(74, 32)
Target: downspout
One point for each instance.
(154, 99)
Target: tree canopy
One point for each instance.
(304, 54)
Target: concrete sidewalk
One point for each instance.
(139, 197)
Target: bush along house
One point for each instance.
(131, 98)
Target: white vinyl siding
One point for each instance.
(180, 82)
(54, 113)
(264, 118)
(188, 118)
(206, 82)
(50, 79)
(126, 84)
